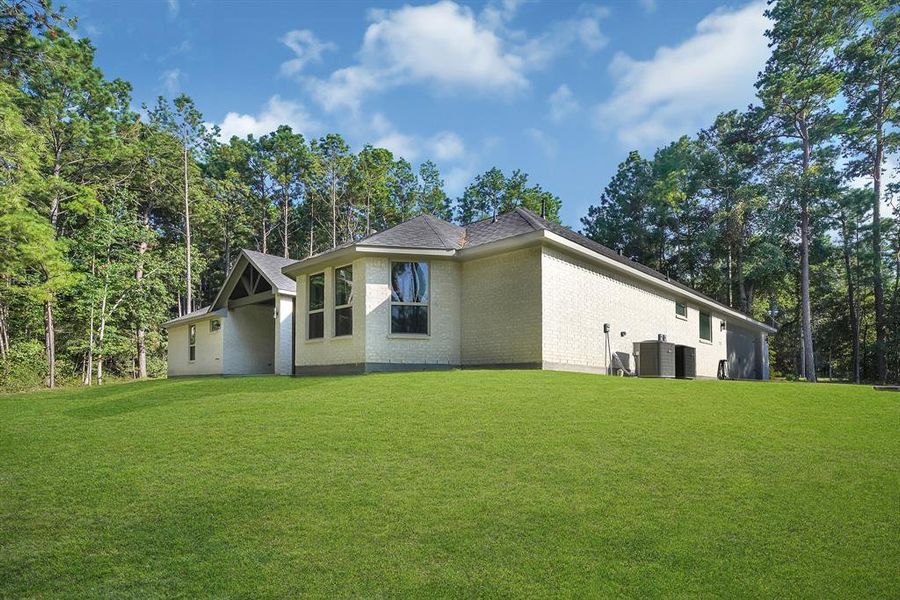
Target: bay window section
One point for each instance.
(316, 307)
(410, 297)
(343, 301)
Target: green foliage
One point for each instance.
(492, 193)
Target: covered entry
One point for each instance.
(258, 300)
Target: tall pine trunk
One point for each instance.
(141, 328)
(878, 285)
(851, 300)
(189, 296)
(50, 343)
(809, 360)
(286, 216)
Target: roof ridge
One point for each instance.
(428, 218)
(530, 218)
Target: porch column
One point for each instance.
(284, 321)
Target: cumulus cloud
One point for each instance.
(443, 146)
(173, 7)
(446, 46)
(306, 47)
(276, 112)
(562, 103)
(681, 88)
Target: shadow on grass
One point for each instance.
(128, 398)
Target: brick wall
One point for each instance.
(579, 297)
(501, 317)
(208, 350)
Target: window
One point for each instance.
(681, 310)
(215, 325)
(705, 327)
(192, 342)
(409, 298)
(343, 301)
(316, 327)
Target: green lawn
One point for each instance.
(470, 483)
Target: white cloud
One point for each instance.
(562, 103)
(446, 145)
(306, 47)
(649, 6)
(443, 146)
(171, 81)
(446, 47)
(276, 112)
(546, 143)
(680, 89)
(174, 7)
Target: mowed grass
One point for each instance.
(469, 483)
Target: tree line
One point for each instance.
(113, 220)
(776, 210)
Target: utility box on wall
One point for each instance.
(655, 358)
(685, 362)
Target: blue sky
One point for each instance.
(561, 90)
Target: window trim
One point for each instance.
(338, 307)
(700, 328)
(683, 317)
(393, 303)
(192, 342)
(311, 311)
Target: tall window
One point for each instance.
(192, 342)
(316, 312)
(681, 310)
(343, 301)
(409, 297)
(705, 327)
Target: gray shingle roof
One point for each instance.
(424, 231)
(270, 267)
(429, 232)
(186, 318)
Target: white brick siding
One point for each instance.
(579, 297)
(284, 334)
(501, 316)
(208, 351)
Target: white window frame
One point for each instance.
(218, 325)
(311, 311)
(349, 305)
(192, 342)
(394, 303)
(699, 328)
(680, 316)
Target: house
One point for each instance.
(514, 291)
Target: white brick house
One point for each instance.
(516, 291)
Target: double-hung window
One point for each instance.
(192, 342)
(316, 307)
(705, 327)
(410, 296)
(343, 301)
(681, 310)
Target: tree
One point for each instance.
(185, 122)
(797, 87)
(432, 198)
(871, 86)
(285, 158)
(492, 193)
